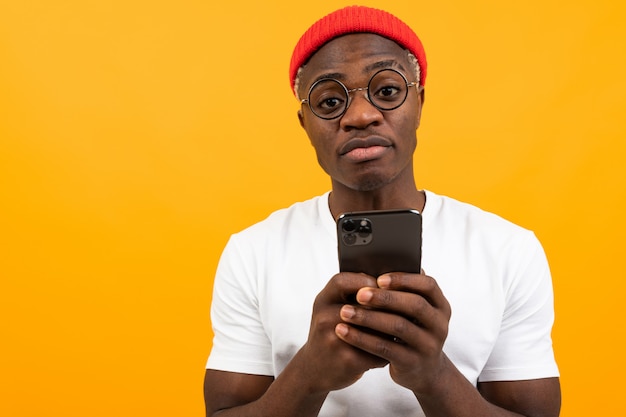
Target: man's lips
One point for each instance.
(359, 149)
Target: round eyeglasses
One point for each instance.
(329, 99)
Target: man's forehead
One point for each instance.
(356, 53)
(362, 44)
(366, 70)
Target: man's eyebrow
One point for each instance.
(388, 63)
(334, 75)
(382, 64)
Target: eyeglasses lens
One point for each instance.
(387, 89)
(329, 98)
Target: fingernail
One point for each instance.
(341, 330)
(383, 281)
(347, 312)
(364, 295)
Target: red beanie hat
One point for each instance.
(356, 19)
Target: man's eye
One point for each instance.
(387, 92)
(329, 103)
(328, 100)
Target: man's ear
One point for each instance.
(301, 118)
(419, 108)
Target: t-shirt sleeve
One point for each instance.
(524, 347)
(240, 343)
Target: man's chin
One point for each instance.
(370, 183)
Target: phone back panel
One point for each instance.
(376, 242)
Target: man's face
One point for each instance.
(366, 148)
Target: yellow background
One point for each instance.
(136, 136)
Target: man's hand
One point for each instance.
(407, 316)
(328, 362)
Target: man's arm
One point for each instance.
(325, 363)
(412, 310)
(535, 397)
(223, 390)
(245, 395)
(453, 395)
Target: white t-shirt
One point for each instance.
(493, 273)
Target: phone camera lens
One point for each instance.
(349, 226)
(349, 239)
(365, 228)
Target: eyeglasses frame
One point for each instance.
(348, 91)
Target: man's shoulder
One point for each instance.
(441, 209)
(305, 212)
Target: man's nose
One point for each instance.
(360, 112)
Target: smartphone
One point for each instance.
(376, 242)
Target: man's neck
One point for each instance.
(343, 200)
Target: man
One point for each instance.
(470, 336)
